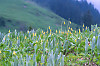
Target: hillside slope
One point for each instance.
(20, 14)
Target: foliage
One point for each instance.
(39, 48)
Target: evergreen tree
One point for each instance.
(87, 19)
(73, 9)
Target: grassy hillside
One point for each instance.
(20, 14)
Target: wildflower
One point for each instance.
(79, 31)
(14, 52)
(25, 37)
(28, 31)
(9, 31)
(75, 31)
(64, 22)
(62, 32)
(40, 35)
(47, 40)
(70, 22)
(86, 27)
(89, 44)
(83, 25)
(0, 51)
(57, 43)
(46, 51)
(59, 31)
(50, 30)
(47, 32)
(75, 40)
(77, 59)
(35, 45)
(87, 58)
(83, 29)
(67, 34)
(8, 35)
(62, 44)
(33, 34)
(17, 37)
(94, 29)
(36, 41)
(56, 31)
(68, 30)
(50, 33)
(69, 27)
(42, 31)
(49, 27)
(85, 64)
(4, 38)
(81, 58)
(81, 37)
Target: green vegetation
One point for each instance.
(59, 48)
(20, 14)
(64, 43)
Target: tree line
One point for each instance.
(79, 12)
